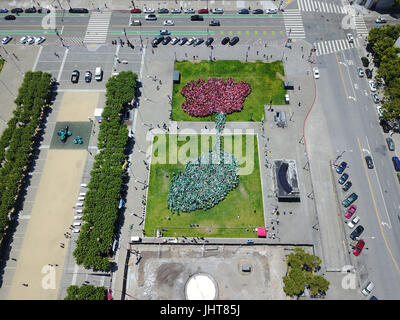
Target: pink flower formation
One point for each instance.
(215, 95)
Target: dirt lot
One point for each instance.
(162, 272)
(78, 106)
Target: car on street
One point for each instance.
(6, 39)
(381, 20)
(343, 178)
(136, 10)
(3, 10)
(214, 23)
(349, 213)
(368, 288)
(196, 17)
(175, 11)
(183, 41)
(30, 40)
(75, 76)
(174, 40)
(258, 11)
(23, 39)
(360, 72)
(163, 10)
(396, 163)
(202, 11)
(40, 40)
(351, 223)
(375, 97)
(225, 40)
(243, 11)
(10, 17)
(164, 32)
(372, 85)
(166, 40)
(17, 10)
(189, 11)
(347, 186)
(169, 23)
(250, 241)
(217, 11)
(209, 41)
(390, 144)
(233, 41)
(379, 110)
(341, 167)
(30, 10)
(88, 76)
(198, 41)
(191, 41)
(271, 11)
(43, 10)
(370, 163)
(316, 73)
(148, 10)
(151, 17)
(368, 72)
(359, 246)
(357, 232)
(136, 23)
(350, 38)
(350, 199)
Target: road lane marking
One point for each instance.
(376, 209)
(62, 64)
(341, 75)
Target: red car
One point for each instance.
(360, 245)
(136, 11)
(351, 211)
(203, 11)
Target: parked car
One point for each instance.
(189, 11)
(349, 213)
(158, 39)
(163, 10)
(357, 232)
(30, 40)
(375, 97)
(390, 144)
(202, 11)
(316, 73)
(379, 110)
(396, 163)
(169, 23)
(360, 72)
(164, 32)
(148, 10)
(6, 39)
(381, 20)
(343, 178)
(43, 10)
(136, 23)
(136, 10)
(198, 41)
(271, 11)
(40, 40)
(347, 186)
(191, 41)
(23, 39)
(214, 23)
(341, 167)
(258, 11)
(78, 10)
(10, 17)
(183, 41)
(225, 40)
(166, 40)
(372, 85)
(151, 17)
(350, 199)
(3, 10)
(233, 41)
(359, 246)
(75, 76)
(174, 40)
(365, 62)
(351, 223)
(209, 41)
(243, 11)
(217, 11)
(368, 288)
(370, 163)
(30, 10)
(368, 72)
(350, 38)
(17, 10)
(384, 124)
(196, 17)
(175, 11)
(88, 76)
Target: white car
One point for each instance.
(189, 11)
(6, 40)
(174, 40)
(175, 10)
(350, 38)
(379, 110)
(316, 73)
(23, 39)
(169, 23)
(40, 40)
(191, 41)
(218, 11)
(148, 10)
(271, 11)
(353, 222)
(151, 17)
(381, 20)
(372, 85)
(30, 40)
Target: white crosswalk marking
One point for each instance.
(331, 46)
(320, 6)
(294, 24)
(97, 28)
(361, 28)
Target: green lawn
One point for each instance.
(1, 64)
(221, 220)
(265, 80)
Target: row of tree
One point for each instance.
(86, 292)
(381, 43)
(100, 211)
(19, 140)
(301, 268)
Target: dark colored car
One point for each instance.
(209, 41)
(341, 167)
(202, 11)
(196, 17)
(163, 10)
(78, 10)
(10, 17)
(390, 144)
(30, 10)
(350, 199)
(157, 40)
(396, 163)
(347, 186)
(368, 72)
(75, 76)
(365, 61)
(214, 23)
(359, 246)
(183, 41)
(17, 10)
(385, 125)
(43, 10)
(233, 41)
(198, 41)
(258, 11)
(343, 178)
(136, 10)
(370, 163)
(88, 76)
(3, 10)
(357, 232)
(375, 97)
(166, 40)
(225, 40)
(243, 11)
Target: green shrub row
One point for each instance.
(86, 292)
(100, 211)
(17, 143)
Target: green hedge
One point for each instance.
(104, 189)
(86, 292)
(18, 139)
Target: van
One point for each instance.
(368, 288)
(77, 223)
(77, 217)
(135, 239)
(396, 163)
(136, 23)
(99, 74)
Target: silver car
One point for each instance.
(360, 72)
(6, 40)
